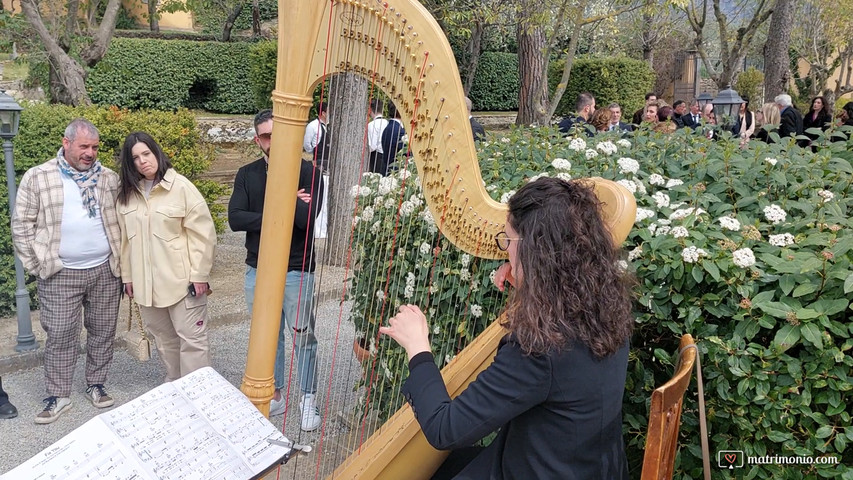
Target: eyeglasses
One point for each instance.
(265, 136)
(502, 240)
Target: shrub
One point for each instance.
(262, 66)
(212, 18)
(765, 293)
(621, 80)
(495, 85)
(748, 85)
(42, 128)
(170, 74)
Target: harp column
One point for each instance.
(290, 113)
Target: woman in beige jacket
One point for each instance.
(167, 242)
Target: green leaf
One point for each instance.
(807, 314)
(712, 269)
(805, 289)
(787, 283)
(787, 336)
(777, 309)
(823, 432)
(812, 334)
(848, 284)
(697, 274)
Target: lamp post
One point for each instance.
(10, 117)
(703, 100)
(727, 106)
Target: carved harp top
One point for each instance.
(399, 47)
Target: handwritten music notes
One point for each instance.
(197, 428)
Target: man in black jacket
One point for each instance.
(791, 120)
(584, 106)
(245, 212)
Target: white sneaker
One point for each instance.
(311, 418)
(55, 406)
(277, 406)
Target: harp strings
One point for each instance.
(345, 53)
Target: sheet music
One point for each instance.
(197, 428)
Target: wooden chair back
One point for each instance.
(665, 417)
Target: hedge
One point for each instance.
(42, 128)
(212, 19)
(621, 80)
(262, 66)
(170, 74)
(495, 86)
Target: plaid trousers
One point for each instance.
(95, 291)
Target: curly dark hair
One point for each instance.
(572, 289)
(129, 175)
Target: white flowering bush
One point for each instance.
(748, 250)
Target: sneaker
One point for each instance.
(55, 407)
(311, 419)
(98, 395)
(277, 406)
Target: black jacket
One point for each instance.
(392, 143)
(822, 122)
(477, 129)
(791, 123)
(568, 123)
(560, 415)
(246, 208)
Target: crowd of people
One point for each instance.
(779, 116)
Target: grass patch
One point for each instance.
(14, 70)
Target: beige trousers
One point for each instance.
(180, 332)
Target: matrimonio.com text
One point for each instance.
(731, 459)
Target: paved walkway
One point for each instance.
(23, 377)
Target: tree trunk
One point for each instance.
(777, 62)
(153, 17)
(70, 25)
(229, 22)
(93, 54)
(68, 77)
(92, 15)
(532, 74)
(567, 72)
(475, 49)
(256, 19)
(347, 115)
(648, 43)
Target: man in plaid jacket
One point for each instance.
(65, 230)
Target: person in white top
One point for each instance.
(315, 134)
(374, 136)
(65, 230)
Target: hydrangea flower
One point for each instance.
(564, 176)
(424, 248)
(826, 195)
(606, 147)
(680, 232)
(623, 143)
(635, 253)
(628, 165)
(729, 223)
(367, 213)
(771, 161)
(590, 154)
(781, 240)
(661, 199)
(673, 182)
(577, 144)
(774, 214)
(692, 254)
(685, 212)
(476, 311)
(387, 185)
(561, 164)
(506, 196)
(644, 213)
(656, 179)
(407, 208)
(630, 185)
(744, 257)
(359, 190)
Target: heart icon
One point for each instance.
(731, 457)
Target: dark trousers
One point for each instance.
(376, 163)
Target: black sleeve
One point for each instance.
(240, 219)
(310, 179)
(508, 387)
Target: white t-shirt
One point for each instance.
(374, 133)
(312, 135)
(83, 241)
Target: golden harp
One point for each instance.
(400, 48)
